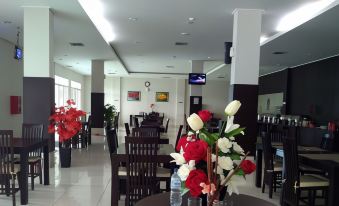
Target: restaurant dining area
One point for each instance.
(180, 103)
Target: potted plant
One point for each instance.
(65, 121)
(212, 164)
(109, 114)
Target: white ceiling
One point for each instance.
(147, 45)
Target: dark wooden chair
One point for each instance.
(141, 168)
(178, 135)
(166, 127)
(128, 131)
(34, 133)
(272, 169)
(146, 132)
(136, 122)
(295, 183)
(89, 130)
(9, 172)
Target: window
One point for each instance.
(61, 91)
(76, 93)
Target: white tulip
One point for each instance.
(230, 126)
(178, 158)
(185, 170)
(224, 144)
(195, 122)
(232, 108)
(225, 163)
(238, 149)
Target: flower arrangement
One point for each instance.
(66, 121)
(209, 162)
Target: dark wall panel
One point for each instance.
(97, 110)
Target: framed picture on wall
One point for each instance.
(161, 96)
(133, 96)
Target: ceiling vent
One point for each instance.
(111, 73)
(170, 67)
(181, 43)
(69, 66)
(279, 52)
(76, 44)
(221, 77)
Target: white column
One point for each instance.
(180, 101)
(197, 66)
(246, 46)
(98, 76)
(38, 42)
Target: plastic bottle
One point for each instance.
(175, 198)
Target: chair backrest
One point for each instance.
(277, 132)
(166, 128)
(146, 132)
(178, 135)
(112, 141)
(291, 194)
(128, 131)
(6, 157)
(33, 133)
(326, 142)
(268, 151)
(136, 122)
(141, 168)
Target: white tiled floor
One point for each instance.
(87, 182)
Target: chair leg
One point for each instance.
(263, 187)
(13, 190)
(40, 171)
(31, 166)
(270, 194)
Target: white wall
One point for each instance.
(87, 93)
(112, 91)
(11, 78)
(215, 96)
(73, 76)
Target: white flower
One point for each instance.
(190, 137)
(232, 138)
(232, 108)
(214, 158)
(237, 148)
(178, 158)
(224, 144)
(225, 163)
(220, 171)
(195, 122)
(233, 183)
(190, 133)
(230, 126)
(185, 170)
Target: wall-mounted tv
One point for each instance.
(197, 78)
(17, 53)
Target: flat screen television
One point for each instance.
(17, 53)
(197, 78)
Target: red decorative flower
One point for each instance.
(66, 121)
(248, 166)
(182, 143)
(193, 181)
(196, 151)
(205, 115)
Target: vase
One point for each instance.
(194, 201)
(65, 157)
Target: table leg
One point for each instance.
(46, 165)
(24, 178)
(114, 183)
(259, 168)
(333, 197)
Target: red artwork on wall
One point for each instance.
(15, 102)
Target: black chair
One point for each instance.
(34, 133)
(294, 183)
(146, 132)
(272, 168)
(178, 135)
(141, 168)
(167, 122)
(128, 131)
(327, 142)
(89, 130)
(8, 170)
(136, 122)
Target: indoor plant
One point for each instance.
(66, 122)
(212, 162)
(109, 114)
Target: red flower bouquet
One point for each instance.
(211, 161)
(66, 121)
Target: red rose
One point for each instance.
(193, 181)
(183, 142)
(205, 115)
(248, 166)
(196, 151)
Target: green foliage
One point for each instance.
(208, 137)
(235, 132)
(240, 172)
(109, 113)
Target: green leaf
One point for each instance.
(235, 132)
(234, 156)
(205, 138)
(222, 129)
(240, 172)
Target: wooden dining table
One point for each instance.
(23, 148)
(120, 156)
(330, 164)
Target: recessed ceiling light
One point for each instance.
(185, 34)
(209, 57)
(132, 19)
(191, 19)
(169, 66)
(279, 52)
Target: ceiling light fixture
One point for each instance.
(263, 38)
(302, 15)
(185, 34)
(191, 20)
(132, 19)
(209, 57)
(95, 11)
(170, 67)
